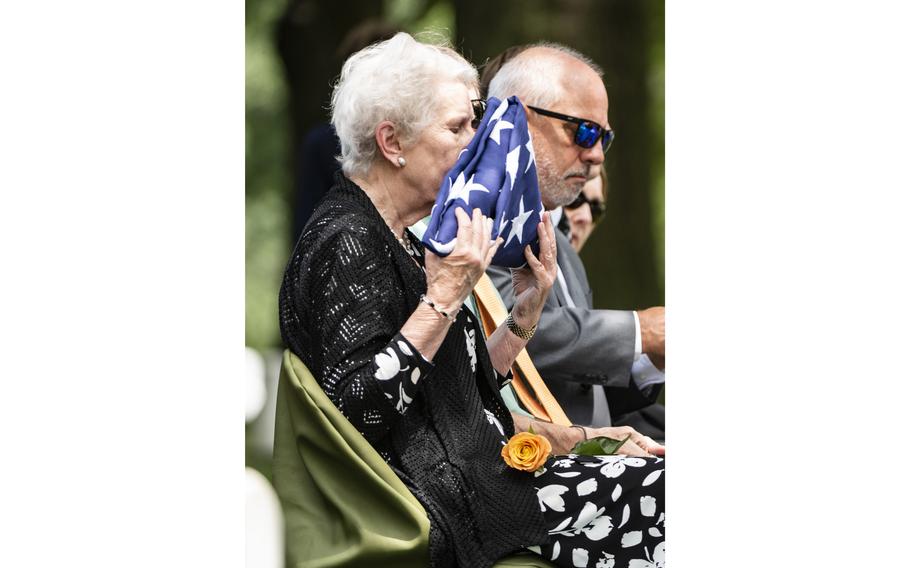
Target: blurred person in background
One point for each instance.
(492, 66)
(603, 366)
(378, 321)
(315, 162)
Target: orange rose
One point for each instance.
(526, 451)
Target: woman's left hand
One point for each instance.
(532, 283)
(637, 445)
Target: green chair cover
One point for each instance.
(343, 505)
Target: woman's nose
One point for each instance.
(583, 216)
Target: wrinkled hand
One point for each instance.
(532, 283)
(652, 334)
(637, 445)
(450, 279)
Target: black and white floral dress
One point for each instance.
(603, 511)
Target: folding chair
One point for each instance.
(343, 505)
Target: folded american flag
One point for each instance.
(496, 173)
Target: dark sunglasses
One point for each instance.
(598, 207)
(480, 107)
(587, 132)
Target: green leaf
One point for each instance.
(599, 446)
(531, 429)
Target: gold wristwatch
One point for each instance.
(521, 332)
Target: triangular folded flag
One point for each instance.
(496, 173)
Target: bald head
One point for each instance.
(561, 80)
(541, 74)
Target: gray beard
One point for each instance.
(555, 190)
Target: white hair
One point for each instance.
(394, 80)
(536, 78)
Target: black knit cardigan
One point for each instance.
(348, 289)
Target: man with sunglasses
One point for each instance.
(585, 355)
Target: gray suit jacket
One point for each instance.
(577, 348)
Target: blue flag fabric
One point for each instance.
(497, 174)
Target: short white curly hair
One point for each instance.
(394, 80)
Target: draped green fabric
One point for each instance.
(343, 505)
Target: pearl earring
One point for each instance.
(402, 162)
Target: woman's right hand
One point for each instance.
(450, 279)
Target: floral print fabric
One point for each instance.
(398, 370)
(604, 511)
(400, 366)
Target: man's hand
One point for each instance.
(637, 445)
(652, 334)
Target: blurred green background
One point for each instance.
(290, 65)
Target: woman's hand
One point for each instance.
(637, 445)
(564, 438)
(532, 283)
(450, 279)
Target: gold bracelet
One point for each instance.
(521, 332)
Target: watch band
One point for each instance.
(521, 332)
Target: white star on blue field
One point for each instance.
(497, 174)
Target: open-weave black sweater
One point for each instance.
(348, 289)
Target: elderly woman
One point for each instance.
(380, 323)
